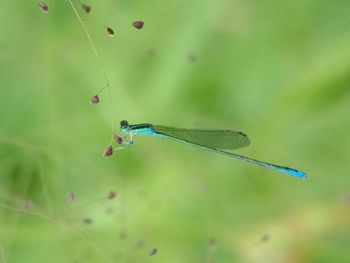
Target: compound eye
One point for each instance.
(124, 124)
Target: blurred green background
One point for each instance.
(277, 70)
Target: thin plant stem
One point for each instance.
(95, 52)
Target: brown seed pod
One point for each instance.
(153, 252)
(112, 194)
(70, 197)
(118, 139)
(86, 8)
(87, 221)
(265, 238)
(110, 31)
(43, 7)
(95, 99)
(151, 52)
(191, 57)
(108, 152)
(346, 198)
(211, 242)
(138, 24)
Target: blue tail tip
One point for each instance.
(295, 173)
(300, 174)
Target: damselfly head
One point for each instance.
(124, 126)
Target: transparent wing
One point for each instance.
(218, 139)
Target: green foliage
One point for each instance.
(277, 70)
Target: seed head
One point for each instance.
(86, 8)
(110, 31)
(138, 24)
(108, 152)
(87, 221)
(95, 99)
(265, 238)
(43, 7)
(118, 139)
(153, 252)
(70, 197)
(191, 57)
(112, 194)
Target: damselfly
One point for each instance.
(211, 140)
